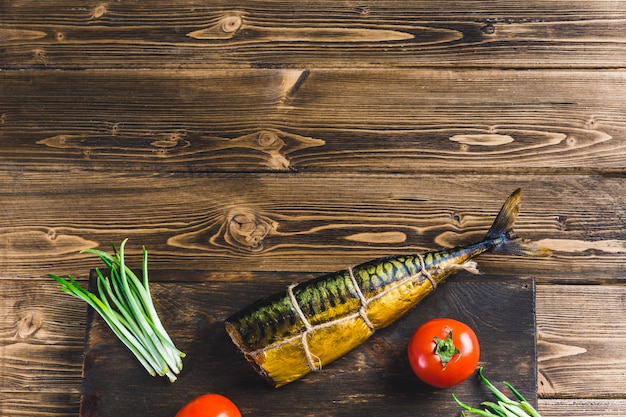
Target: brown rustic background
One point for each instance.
(285, 139)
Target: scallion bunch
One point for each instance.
(125, 304)
(503, 405)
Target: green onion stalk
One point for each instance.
(503, 406)
(125, 304)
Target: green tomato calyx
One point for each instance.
(445, 349)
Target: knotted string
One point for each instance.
(310, 357)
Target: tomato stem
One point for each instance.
(445, 349)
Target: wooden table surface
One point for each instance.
(286, 139)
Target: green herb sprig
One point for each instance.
(125, 304)
(503, 405)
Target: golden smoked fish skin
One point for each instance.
(287, 335)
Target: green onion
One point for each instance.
(503, 406)
(125, 304)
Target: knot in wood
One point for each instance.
(363, 10)
(173, 140)
(246, 229)
(570, 141)
(99, 11)
(267, 139)
(230, 24)
(28, 324)
(488, 29)
(381, 350)
(591, 123)
(39, 55)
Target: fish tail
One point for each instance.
(501, 231)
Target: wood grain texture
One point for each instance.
(582, 408)
(196, 34)
(575, 341)
(41, 335)
(41, 403)
(307, 222)
(487, 121)
(374, 379)
(272, 141)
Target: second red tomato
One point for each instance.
(209, 405)
(443, 352)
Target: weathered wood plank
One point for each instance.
(422, 121)
(305, 222)
(37, 403)
(582, 333)
(41, 335)
(582, 408)
(194, 34)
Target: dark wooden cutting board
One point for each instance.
(373, 380)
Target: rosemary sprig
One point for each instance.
(503, 405)
(125, 303)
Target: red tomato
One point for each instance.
(443, 352)
(209, 405)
